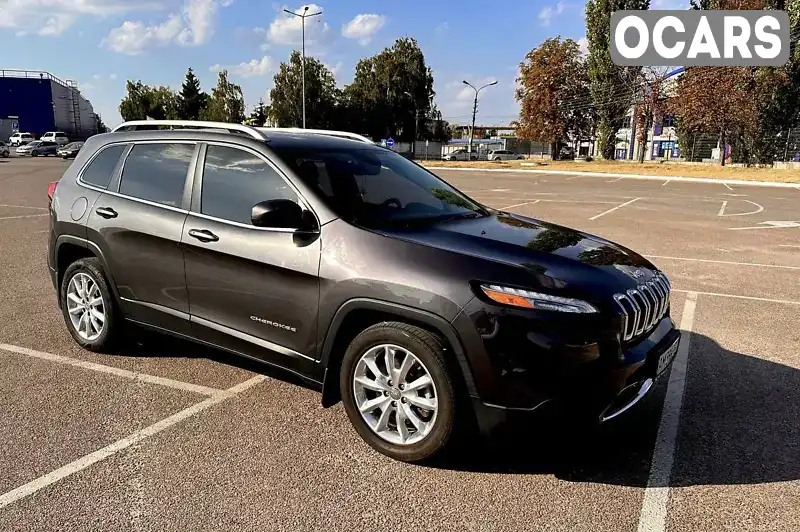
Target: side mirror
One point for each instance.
(280, 213)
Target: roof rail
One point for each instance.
(134, 125)
(327, 132)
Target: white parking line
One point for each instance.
(759, 209)
(735, 296)
(665, 183)
(722, 209)
(573, 177)
(23, 207)
(520, 204)
(788, 246)
(90, 459)
(653, 515)
(615, 180)
(23, 216)
(755, 264)
(614, 209)
(727, 185)
(83, 364)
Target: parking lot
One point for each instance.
(165, 435)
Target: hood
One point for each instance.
(558, 256)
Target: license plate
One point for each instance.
(666, 358)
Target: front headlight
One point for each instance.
(517, 297)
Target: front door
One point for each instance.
(251, 289)
(138, 224)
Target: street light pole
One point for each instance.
(475, 110)
(416, 119)
(303, 17)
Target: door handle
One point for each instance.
(203, 235)
(106, 212)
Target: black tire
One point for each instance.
(113, 325)
(428, 349)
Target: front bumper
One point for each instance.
(575, 364)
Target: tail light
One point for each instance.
(51, 189)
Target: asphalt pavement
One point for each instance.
(165, 435)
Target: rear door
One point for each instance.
(137, 223)
(251, 289)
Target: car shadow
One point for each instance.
(740, 424)
(140, 342)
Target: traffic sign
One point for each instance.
(390, 143)
(14, 126)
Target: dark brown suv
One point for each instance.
(356, 269)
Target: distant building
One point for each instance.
(37, 102)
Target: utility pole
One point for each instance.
(416, 119)
(475, 110)
(303, 17)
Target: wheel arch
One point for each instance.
(355, 315)
(71, 248)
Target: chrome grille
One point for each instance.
(644, 306)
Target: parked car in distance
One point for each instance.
(20, 139)
(359, 271)
(567, 153)
(5, 151)
(504, 155)
(37, 148)
(58, 137)
(70, 151)
(461, 155)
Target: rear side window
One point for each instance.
(157, 172)
(99, 171)
(234, 180)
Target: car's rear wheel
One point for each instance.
(88, 306)
(398, 392)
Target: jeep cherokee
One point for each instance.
(356, 269)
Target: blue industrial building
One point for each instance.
(37, 102)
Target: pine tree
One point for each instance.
(192, 99)
(259, 115)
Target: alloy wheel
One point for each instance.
(395, 394)
(85, 306)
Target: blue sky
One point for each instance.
(102, 43)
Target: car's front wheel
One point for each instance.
(88, 306)
(397, 391)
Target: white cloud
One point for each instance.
(441, 28)
(200, 18)
(547, 13)
(363, 27)
(112, 76)
(335, 69)
(287, 29)
(583, 44)
(194, 26)
(50, 18)
(97, 76)
(253, 68)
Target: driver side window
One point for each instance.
(234, 180)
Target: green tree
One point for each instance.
(143, 101)
(607, 81)
(553, 90)
(259, 115)
(226, 103)
(322, 96)
(192, 99)
(391, 93)
(101, 127)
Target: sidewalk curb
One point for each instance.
(740, 182)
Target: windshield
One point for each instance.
(35, 143)
(378, 188)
